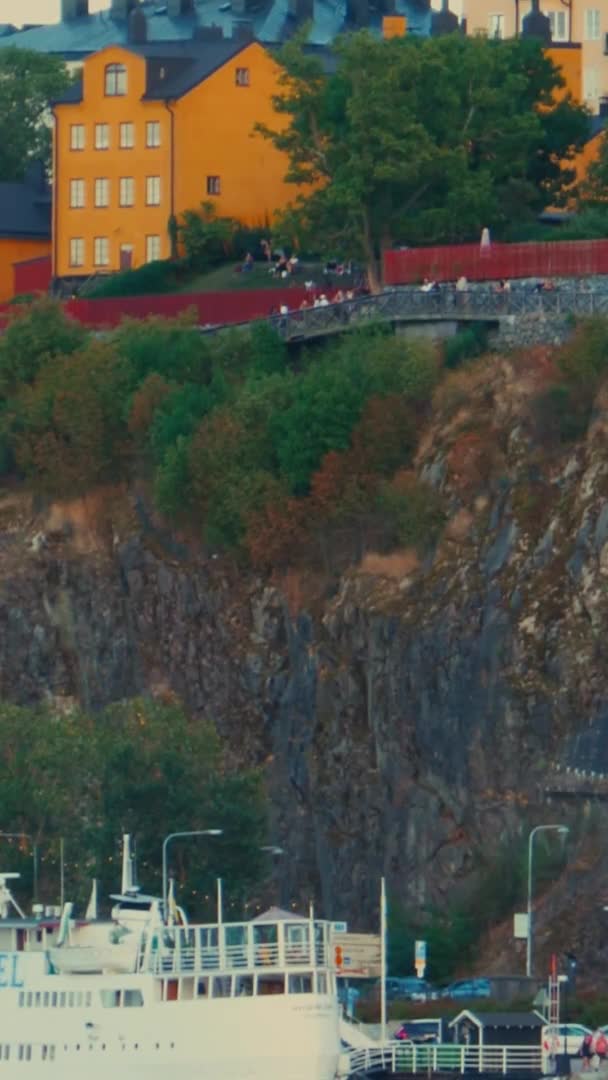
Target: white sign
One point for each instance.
(357, 955)
(339, 927)
(420, 958)
(520, 925)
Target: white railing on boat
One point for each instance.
(239, 947)
(446, 1057)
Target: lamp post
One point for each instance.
(563, 830)
(26, 836)
(180, 836)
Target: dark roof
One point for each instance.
(502, 1019)
(268, 20)
(173, 69)
(25, 208)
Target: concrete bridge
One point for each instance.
(443, 312)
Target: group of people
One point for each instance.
(594, 1049)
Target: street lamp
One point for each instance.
(179, 836)
(563, 830)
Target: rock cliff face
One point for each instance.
(410, 713)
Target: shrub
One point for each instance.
(465, 345)
(414, 510)
(153, 277)
(206, 238)
(32, 338)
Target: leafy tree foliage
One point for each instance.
(29, 82)
(413, 140)
(143, 767)
(34, 337)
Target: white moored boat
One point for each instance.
(141, 999)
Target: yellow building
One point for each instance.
(154, 130)
(586, 25)
(25, 224)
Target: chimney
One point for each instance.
(74, 9)
(444, 21)
(301, 10)
(242, 31)
(120, 9)
(357, 12)
(137, 27)
(177, 8)
(208, 33)
(536, 25)
(394, 26)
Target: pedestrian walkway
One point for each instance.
(411, 1059)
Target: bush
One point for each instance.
(32, 338)
(414, 509)
(154, 277)
(465, 345)
(206, 238)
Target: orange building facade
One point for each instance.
(153, 132)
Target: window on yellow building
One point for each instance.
(127, 191)
(102, 191)
(77, 137)
(592, 24)
(558, 21)
(214, 186)
(152, 248)
(127, 136)
(76, 251)
(496, 26)
(152, 190)
(101, 255)
(102, 136)
(115, 80)
(76, 194)
(152, 133)
(242, 77)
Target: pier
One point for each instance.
(410, 1059)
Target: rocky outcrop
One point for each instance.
(408, 714)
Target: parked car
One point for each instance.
(409, 989)
(563, 1038)
(468, 988)
(420, 1031)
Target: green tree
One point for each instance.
(34, 337)
(411, 140)
(206, 238)
(29, 82)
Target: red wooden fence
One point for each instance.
(562, 258)
(210, 307)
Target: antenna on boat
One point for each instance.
(91, 912)
(7, 898)
(220, 903)
(129, 875)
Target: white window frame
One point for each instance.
(152, 190)
(77, 137)
(152, 134)
(559, 24)
(242, 76)
(496, 25)
(126, 136)
(101, 251)
(214, 185)
(127, 191)
(102, 136)
(152, 248)
(115, 82)
(76, 254)
(77, 194)
(593, 24)
(102, 192)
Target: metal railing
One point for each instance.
(445, 1057)
(411, 304)
(239, 947)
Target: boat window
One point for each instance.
(202, 987)
(265, 941)
(45, 999)
(222, 986)
(54, 999)
(37, 998)
(110, 999)
(236, 946)
(132, 998)
(271, 984)
(30, 999)
(243, 986)
(62, 1000)
(171, 990)
(21, 999)
(88, 999)
(321, 982)
(300, 984)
